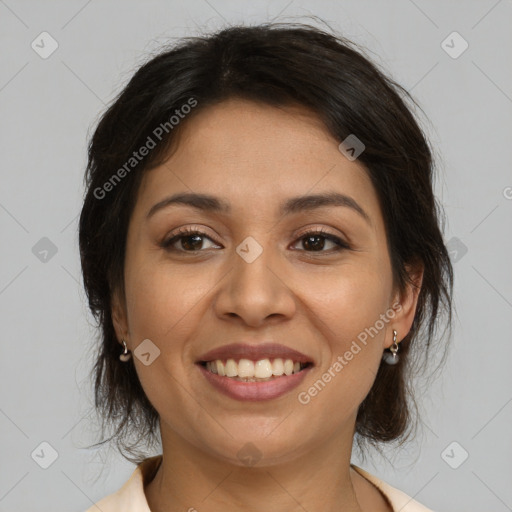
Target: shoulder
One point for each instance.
(130, 497)
(398, 499)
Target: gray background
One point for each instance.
(49, 106)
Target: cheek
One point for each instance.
(162, 299)
(347, 309)
(166, 305)
(163, 305)
(347, 301)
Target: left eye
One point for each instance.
(193, 241)
(315, 240)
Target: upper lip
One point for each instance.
(254, 352)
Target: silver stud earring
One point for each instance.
(391, 357)
(126, 355)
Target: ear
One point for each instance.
(119, 316)
(405, 302)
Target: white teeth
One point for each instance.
(277, 367)
(263, 369)
(210, 365)
(231, 368)
(247, 369)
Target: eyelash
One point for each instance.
(185, 232)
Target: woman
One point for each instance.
(261, 246)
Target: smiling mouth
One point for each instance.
(246, 370)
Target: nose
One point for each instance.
(255, 292)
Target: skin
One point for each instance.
(256, 156)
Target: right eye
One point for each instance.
(190, 240)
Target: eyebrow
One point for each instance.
(208, 203)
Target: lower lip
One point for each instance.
(254, 391)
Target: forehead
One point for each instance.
(254, 155)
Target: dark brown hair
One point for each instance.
(277, 64)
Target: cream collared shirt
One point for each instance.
(131, 498)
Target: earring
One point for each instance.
(392, 358)
(125, 356)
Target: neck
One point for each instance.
(191, 479)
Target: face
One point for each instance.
(314, 276)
